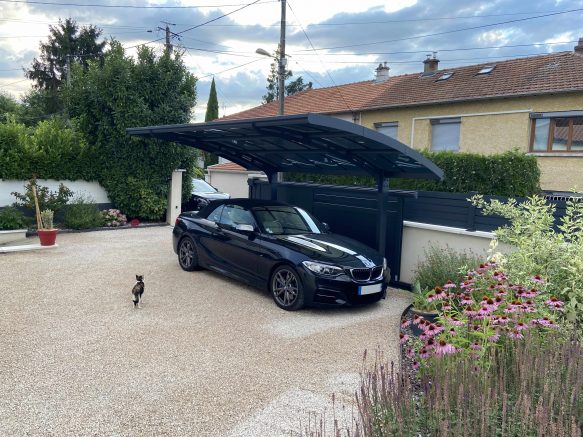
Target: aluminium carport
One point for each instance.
(305, 143)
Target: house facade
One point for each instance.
(532, 104)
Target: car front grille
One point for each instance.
(365, 274)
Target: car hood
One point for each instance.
(333, 248)
(211, 196)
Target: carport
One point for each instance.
(305, 143)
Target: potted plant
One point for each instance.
(422, 308)
(47, 233)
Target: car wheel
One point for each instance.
(286, 288)
(187, 255)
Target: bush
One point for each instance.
(11, 218)
(113, 218)
(442, 264)
(540, 249)
(47, 199)
(506, 174)
(82, 213)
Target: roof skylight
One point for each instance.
(446, 75)
(487, 69)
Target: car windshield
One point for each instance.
(279, 220)
(201, 186)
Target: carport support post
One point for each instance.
(174, 197)
(273, 184)
(383, 198)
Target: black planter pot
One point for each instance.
(429, 316)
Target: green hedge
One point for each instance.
(51, 150)
(506, 174)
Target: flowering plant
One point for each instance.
(113, 217)
(482, 312)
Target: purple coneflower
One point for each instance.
(444, 348)
(467, 284)
(469, 311)
(467, 300)
(515, 333)
(554, 302)
(416, 319)
(499, 276)
(537, 279)
(410, 352)
(431, 297)
(475, 346)
(403, 338)
(454, 321)
(424, 353)
(494, 337)
(416, 365)
(449, 285)
(520, 326)
(405, 323)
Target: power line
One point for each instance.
(240, 54)
(315, 51)
(13, 83)
(440, 50)
(233, 68)
(94, 5)
(448, 31)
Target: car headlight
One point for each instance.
(323, 269)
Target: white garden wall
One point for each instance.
(92, 189)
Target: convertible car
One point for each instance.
(283, 249)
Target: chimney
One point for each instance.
(430, 65)
(382, 73)
(579, 47)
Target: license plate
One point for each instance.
(370, 289)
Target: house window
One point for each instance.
(445, 134)
(390, 129)
(562, 133)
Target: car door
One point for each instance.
(212, 240)
(239, 250)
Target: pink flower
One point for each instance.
(533, 292)
(467, 284)
(537, 279)
(416, 319)
(484, 311)
(424, 353)
(494, 337)
(416, 365)
(410, 352)
(499, 276)
(449, 284)
(431, 297)
(469, 311)
(403, 338)
(515, 333)
(467, 300)
(446, 307)
(542, 322)
(453, 321)
(520, 326)
(553, 302)
(502, 320)
(475, 346)
(444, 348)
(405, 323)
(510, 309)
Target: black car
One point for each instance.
(280, 248)
(203, 193)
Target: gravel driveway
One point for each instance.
(204, 356)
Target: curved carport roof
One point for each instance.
(307, 143)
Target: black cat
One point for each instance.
(138, 290)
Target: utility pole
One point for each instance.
(169, 35)
(282, 60)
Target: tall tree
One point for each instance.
(212, 113)
(291, 88)
(67, 45)
(8, 106)
(127, 92)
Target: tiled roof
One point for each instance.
(553, 73)
(228, 166)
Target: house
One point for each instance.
(533, 104)
(231, 178)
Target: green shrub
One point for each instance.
(11, 218)
(47, 199)
(82, 213)
(443, 264)
(506, 174)
(540, 249)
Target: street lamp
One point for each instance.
(281, 63)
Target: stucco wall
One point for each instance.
(92, 189)
(417, 237)
(231, 182)
(492, 133)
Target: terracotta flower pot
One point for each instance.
(430, 316)
(135, 222)
(47, 237)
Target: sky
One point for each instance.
(329, 42)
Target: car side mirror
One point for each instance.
(246, 229)
(326, 227)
